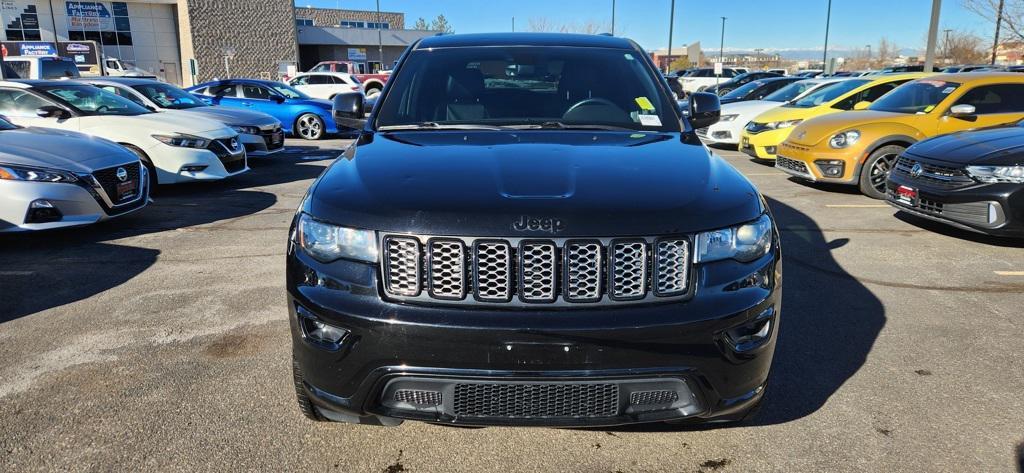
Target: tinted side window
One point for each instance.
(319, 80)
(867, 95)
(19, 103)
(228, 90)
(58, 69)
(18, 69)
(255, 92)
(989, 99)
(300, 81)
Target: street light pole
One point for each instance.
(999, 23)
(671, 21)
(613, 17)
(933, 33)
(721, 52)
(869, 55)
(380, 39)
(945, 47)
(828, 21)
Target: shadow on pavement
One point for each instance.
(39, 271)
(953, 232)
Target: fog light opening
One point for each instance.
(753, 334)
(43, 211)
(721, 135)
(194, 168)
(319, 332)
(771, 149)
(993, 214)
(831, 167)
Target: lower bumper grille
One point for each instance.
(274, 138)
(798, 167)
(536, 400)
(109, 181)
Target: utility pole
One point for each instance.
(380, 39)
(513, 24)
(945, 47)
(828, 21)
(613, 17)
(999, 23)
(933, 33)
(721, 52)
(671, 20)
(869, 55)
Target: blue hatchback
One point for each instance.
(300, 114)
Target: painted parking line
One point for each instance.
(857, 206)
(1009, 273)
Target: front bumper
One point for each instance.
(267, 143)
(722, 133)
(763, 145)
(991, 209)
(809, 163)
(678, 347)
(78, 203)
(170, 161)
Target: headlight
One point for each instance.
(997, 174)
(326, 242)
(246, 130)
(783, 124)
(727, 118)
(183, 141)
(844, 139)
(26, 173)
(744, 243)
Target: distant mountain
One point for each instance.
(810, 54)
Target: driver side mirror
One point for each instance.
(705, 110)
(277, 98)
(51, 111)
(861, 105)
(350, 109)
(963, 111)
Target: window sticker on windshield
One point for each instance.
(933, 83)
(629, 57)
(947, 90)
(929, 108)
(650, 120)
(644, 103)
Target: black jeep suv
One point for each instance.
(528, 232)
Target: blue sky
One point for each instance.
(769, 24)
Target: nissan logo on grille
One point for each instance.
(916, 170)
(122, 174)
(234, 144)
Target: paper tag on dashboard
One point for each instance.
(650, 120)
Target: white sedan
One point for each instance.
(325, 85)
(174, 148)
(735, 116)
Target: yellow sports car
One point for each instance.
(762, 136)
(862, 147)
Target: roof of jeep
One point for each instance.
(524, 39)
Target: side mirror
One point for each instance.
(51, 111)
(861, 105)
(963, 111)
(705, 110)
(277, 98)
(350, 109)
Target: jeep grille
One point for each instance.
(524, 271)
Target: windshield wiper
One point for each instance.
(553, 125)
(439, 126)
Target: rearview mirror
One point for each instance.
(705, 110)
(963, 111)
(861, 105)
(350, 109)
(51, 111)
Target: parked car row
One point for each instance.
(945, 147)
(75, 152)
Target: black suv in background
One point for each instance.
(527, 232)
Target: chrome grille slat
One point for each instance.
(523, 272)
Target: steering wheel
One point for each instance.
(591, 101)
(102, 108)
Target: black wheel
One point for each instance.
(876, 170)
(151, 179)
(309, 126)
(305, 405)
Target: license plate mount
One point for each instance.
(126, 190)
(907, 195)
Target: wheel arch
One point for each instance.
(903, 140)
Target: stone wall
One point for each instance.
(263, 34)
(328, 17)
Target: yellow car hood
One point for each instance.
(784, 113)
(812, 132)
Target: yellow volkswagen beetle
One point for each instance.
(861, 147)
(763, 135)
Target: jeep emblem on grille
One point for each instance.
(533, 224)
(917, 170)
(122, 174)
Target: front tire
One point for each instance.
(309, 126)
(305, 404)
(876, 170)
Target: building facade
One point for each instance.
(191, 41)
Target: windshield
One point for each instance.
(58, 69)
(553, 86)
(744, 90)
(826, 95)
(6, 125)
(916, 97)
(168, 96)
(288, 91)
(793, 91)
(89, 100)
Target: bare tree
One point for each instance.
(441, 24)
(963, 48)
(539, 25)
(1013, 14)
(886, 50)
(544, 25)
(421, 24)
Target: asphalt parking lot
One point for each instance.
(160, 342)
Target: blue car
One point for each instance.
(300, 114)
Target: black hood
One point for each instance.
(480, 183)
(999, 146)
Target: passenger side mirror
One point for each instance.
(705, 110)
(863, 105)
(963, 111)
(277, 98)
(350, 109)
(51, 111)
